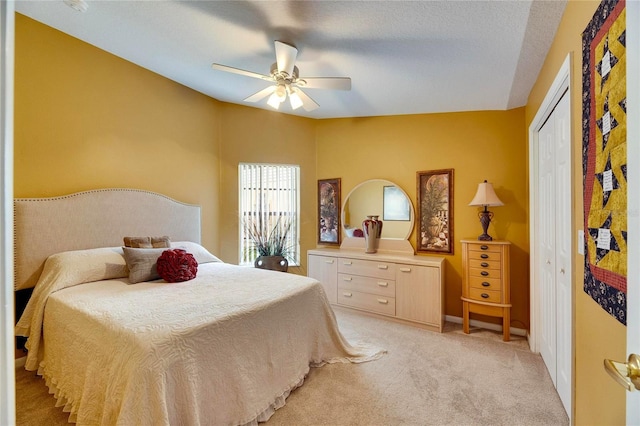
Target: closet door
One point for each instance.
(563, 241)
(554, 186)
(546, 233)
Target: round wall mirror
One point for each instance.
(382, 198)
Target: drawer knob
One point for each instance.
(383, 284)
(484, 264)
(383, 267)
(483, 247)
(484, 256)
(328, 261)
(347, 294)
(383, 301)
(484, 295)
(486, 284)
(405, 269)
(484, 273)
(346, 278)
(346, 263)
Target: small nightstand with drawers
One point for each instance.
(485, 281)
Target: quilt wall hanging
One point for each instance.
(604, 157)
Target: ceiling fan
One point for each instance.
(288, 82)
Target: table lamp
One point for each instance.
(485, 196)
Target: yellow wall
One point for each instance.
(598, 399)
(477, 145)
(86, 119)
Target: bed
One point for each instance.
(226, 347)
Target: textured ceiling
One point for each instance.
(403, 57)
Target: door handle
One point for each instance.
(627, 374)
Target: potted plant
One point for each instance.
(270, 243)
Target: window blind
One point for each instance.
(269, 196)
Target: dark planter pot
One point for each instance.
(275, 263)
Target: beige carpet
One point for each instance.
(425, 378)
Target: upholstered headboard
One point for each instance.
(91, 219)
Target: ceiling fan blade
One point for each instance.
(226, 68)
(261, 94)
(334, 83)
(307, 103)
(285, 57)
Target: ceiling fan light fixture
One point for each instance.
(286, 80)
(281, 92)
(274, 101)
(295, 100)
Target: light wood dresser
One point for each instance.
(405, 288)
(485, 281)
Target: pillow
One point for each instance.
(147, 242)
(142, 263)
(200, 253)
(176, 265)
(85, 266)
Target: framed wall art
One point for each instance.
(435, 211)
(329, 211)
(604, 158)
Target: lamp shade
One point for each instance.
(486, 196)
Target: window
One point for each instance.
(269, 194)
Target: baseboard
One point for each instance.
(488, 325)
(20, 362)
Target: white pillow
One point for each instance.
(85, 266)
(200, 253)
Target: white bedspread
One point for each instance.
(224, 348)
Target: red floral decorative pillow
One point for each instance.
(176, 265)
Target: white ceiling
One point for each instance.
(403, 57)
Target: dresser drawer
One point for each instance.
(484, 295)
(377, 286)
(369, 302)
(485, 264)
(484, 255)
(367, 268)
(485, 273)
(485, 248)
(485, 283)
